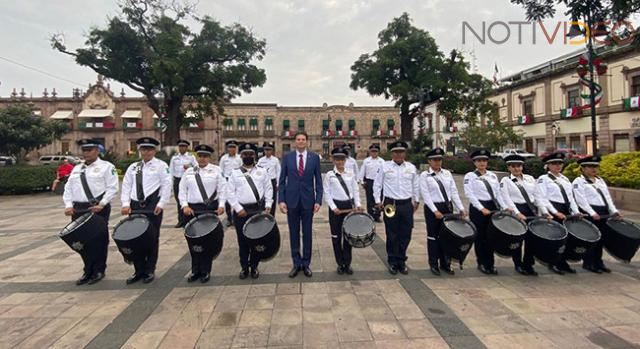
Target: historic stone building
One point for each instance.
(544, 102)
(119, 120)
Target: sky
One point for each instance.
(311, 44)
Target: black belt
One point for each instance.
(83, 205)
(151, 199)
(252, 207)
(397, 202)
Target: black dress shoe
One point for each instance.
(179, 225)
(488, 270)
(148, 278)
(205, 278)
(307, 272)
(566, 268)
(294, 272)
(340, 270)
(531, 271)
(435, 270)
(83, 280)
(521, 270)
(95, 278)
(591, 268)
(447, 269)
(193, 277)
(348, 270)
(133, 279)
(393, 269)
(556, 270)
(378, 220)
(255, 273)
(604, 269)
(243, 273)
(403, 270)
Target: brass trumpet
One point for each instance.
(389, 210)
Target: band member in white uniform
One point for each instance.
(439, 194)
(146, 188)
(482, 189)
(554, 193)
(593, 198)
(342, 196)
(101, 181)
(249, 192)
(351, 163)
(272, 164)
(229, 162)
(367, 175)
(179, 163)
(193, 203)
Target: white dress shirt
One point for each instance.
(178, 161)
(512, 194)
(398, 182)
(212, 180)
(587, 195)
(229, 163)
(431, 192)
(333, 189)
(547, 190)
(155, 175)
(271, 164)
(370, 167)
(101, 177)
(352, 165)
(476, 191)
(239, 191)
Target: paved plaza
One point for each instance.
(41, 307)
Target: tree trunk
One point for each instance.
(174, 121)
(406, 122)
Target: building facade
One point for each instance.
(544, 102)
(119, 120)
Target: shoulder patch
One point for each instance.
(575, 185)
(466, 181)
(501, 184)
(113, 171)
(540, 180)
(167, 170)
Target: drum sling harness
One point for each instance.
(488, 186)
(247, 176)
(593, 184)
(562, 191)
(85, 186)
(525, 195)
(443, 192)
(206, 200)
(344, 187)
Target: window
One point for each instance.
(527, 107)
(253, 124)
(338, 125)
(575, 144)
(241, 124)
(573, 97)
(65, 147)
(621, 143)
(561, 143)
(300, 125)
(590, 144)
(228, 124)
(325, 148)
(285, 126)
(133, 147)
(375, 124)
(540, 145)
(635, 85)
(268, 124)
(286, 147)
(352, 124)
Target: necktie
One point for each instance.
(300, 166)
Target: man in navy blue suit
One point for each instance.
(299, 196)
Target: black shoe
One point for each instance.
(243, 273)
(488, 270)
(348, 270)
(566, 268)
(205, 278)
(531, 271)
(604, 269)
(193, 277)
(179, 225)
(340, 270)
(435, 270)
(521, 270)
(148, 278)
(133, 279)
(83, 280)
(403, 270)
(393, 269)
(294, 272)
(255, 273)
(555, 269)
(95, 278)
(307, 272)
(378, 220)
(591, 268)
(447, 269)
(229, 223)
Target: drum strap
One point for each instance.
(247, 176)
(606, 204)
(203, 192)
(139, 187)
(85, 186)
(344, 187)
(443, 192)
(525, 195)
(562, 191)
(488, 186)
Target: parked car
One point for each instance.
(56, 159)
(520, 152)
(6, 160)
(569, 153)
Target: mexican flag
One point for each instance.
(131, 124)
(525, 119)
(353, 133)
(379, 132)
(287, 133)
(327, 133)
(568, 113)
(632, 103)
(391, 132)
(99, 124)
(340, 133)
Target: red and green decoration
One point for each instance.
(570, 113)
(586, 79)
(632, 103)
(525, 119)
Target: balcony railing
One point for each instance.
(330, 134)
(384, 134)
(240, 133)
(269, 133)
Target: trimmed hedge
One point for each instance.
(621, 170)
(533, 167)
(26, 179)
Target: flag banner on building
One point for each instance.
(569, 113)
(327, 133)
(632, 103)
(353, 133)
(340, 133)
(99, 124)
(131, 125)
(525, 119)
(287, 133)
(391, 132)
(379, 132)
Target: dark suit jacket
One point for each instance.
(294, 189)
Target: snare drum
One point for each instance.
(263, 235)
(359, 229)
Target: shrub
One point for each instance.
(26, 179)
(534, 167)
(621, 169)
(457, 165)
(571, 170)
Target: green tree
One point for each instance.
(149, 48)
(493, 135)
(21, 131)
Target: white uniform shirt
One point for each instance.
(101, 177)
(333, 189)
(212, 180)
(476, 191)
(239, 191)
(430, 190)
(547, 190)
(352, 165)
(155, 175)
(370, 167)
(229, 163)
(304, 159)
(271, 164)
(178, 161)
(398, 182)
(586, 195)
(512, 195)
